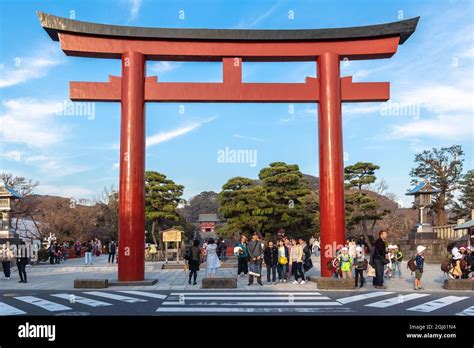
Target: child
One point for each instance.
(360, 265)
(345, 263)
(419, 260)
(398, 262)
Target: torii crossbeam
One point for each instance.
(135, 45)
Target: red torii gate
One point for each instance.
(135, 45)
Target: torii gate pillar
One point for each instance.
(132, 168)
(331, 161)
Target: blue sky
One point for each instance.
(431, 75)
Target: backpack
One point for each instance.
(411, 264)
(112, 248)
(187, 254)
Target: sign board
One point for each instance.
(172, 236)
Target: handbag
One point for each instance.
(254, 269)
(307, 265)
(370, 271)
(282, 260)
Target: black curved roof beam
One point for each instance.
(53, 25)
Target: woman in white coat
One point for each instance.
(212, 261)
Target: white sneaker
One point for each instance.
(302, 282)
(295, 282)
(7, 278)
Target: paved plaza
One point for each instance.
(50, 291)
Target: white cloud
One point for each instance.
(31, 122)
(135, 8)
(166, 136)
(12, 155)
(158, 68)
(452, 106)
(27, 68)
(250, 23)
(450, 126)
(248, 138)
(64, 191)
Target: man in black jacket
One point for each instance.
(270, 256)
(379, 259)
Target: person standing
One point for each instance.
(57, 252)
(88, 253)
(397, 265)
(51, 253)
(311, 243)
(345, 263)
(283, 257)
(194, 258)
(255, 257)
(7, 256)
(21, 262)
(307, 262)
(112, 251)
(419, 261)
(378, 260)
(153, 252)
(270, 257)
(77, 249)
(296, 261)
(223, 251)
(212, 261)
(360, 265)
(242, 257)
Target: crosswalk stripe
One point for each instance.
(396, 300)
(280, 303)
(115, 297)
(9, 310)
(361, 297)
(251, 310)
(231, 293)
(45, 304)
(83, 300)
(254, 298)
(143, 293)
(468, 311)
(437, 304)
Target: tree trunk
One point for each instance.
(440, 210)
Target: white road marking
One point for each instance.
(361, 297)
(115, 297)
(186, 298)
(437, 304)
(281, 303)
(266, 293)
(396, 300)
(45, 304)
(468, 311)
(86, 301)
(145, 294)
(250, 310)
(9, 310)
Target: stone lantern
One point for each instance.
(423, 195)
(7, 196)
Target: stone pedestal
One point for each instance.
(436, 249)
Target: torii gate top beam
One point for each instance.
(80, 38)
(231, 47)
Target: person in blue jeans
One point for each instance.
(420, 261)
(283, 259)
